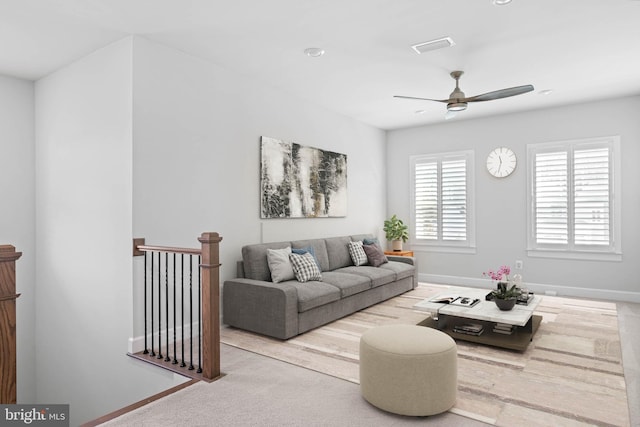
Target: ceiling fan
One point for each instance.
(458, 102)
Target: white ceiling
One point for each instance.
(581, 49)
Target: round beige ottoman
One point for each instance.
(408, 369)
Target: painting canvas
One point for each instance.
(301, 182)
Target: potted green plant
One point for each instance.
(396, 231)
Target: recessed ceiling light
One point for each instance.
(545, 92)
(433, 45)
(419, 112)
(314, 52)
(501, 2)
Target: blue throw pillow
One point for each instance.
(374, 241)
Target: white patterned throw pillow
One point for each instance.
(305, 267)
(358, 255)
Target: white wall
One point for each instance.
(17, 215)
(197, 131)
(501, 204)
(139, 140)
(83, 240)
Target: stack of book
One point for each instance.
(503, 328)
(469, 329)
(524, 300)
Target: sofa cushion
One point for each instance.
(378, 276)
(349, 284)
(338, 252)
(305, 267)
(254, 258)
(314, 294)
(375, 255)
(279, 264)
(319, 249)
(401, 269)
(358, 255)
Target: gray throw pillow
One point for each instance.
(375, 255)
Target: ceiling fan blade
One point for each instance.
(502, 93)
(420, 99)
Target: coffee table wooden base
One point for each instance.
(519, 340)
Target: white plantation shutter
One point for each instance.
(426, 200)
(441, 198)
(454, 200)
(591, 195)
(573, 202)
(552, 204)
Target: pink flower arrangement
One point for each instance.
(504, 270)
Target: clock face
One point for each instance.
(501, 162)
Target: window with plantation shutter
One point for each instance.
(574, 208)
(441, 199)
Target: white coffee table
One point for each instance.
(446, 317)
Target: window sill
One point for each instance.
(443, 249)
(577, 255)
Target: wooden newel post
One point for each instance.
(8, 296)
(210, 304)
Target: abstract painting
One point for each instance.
(301, 182)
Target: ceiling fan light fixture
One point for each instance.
(441, 43)
(457, 106)
(314, 52)
(501, 2)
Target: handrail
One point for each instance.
(8, 296)
(188, 251)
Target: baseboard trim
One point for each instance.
(137, 405)
(539, 288)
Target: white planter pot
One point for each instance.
(396, 245)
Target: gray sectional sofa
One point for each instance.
(253, 302)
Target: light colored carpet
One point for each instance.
(259, 391)
(570, 375)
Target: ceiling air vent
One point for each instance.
(433, 45)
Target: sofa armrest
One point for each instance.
(407, 260)
(259, 306)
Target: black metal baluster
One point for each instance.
(153, 352)
(199, 316)
(166, 301)
(159, 306)
(182, 364)
(191, 312)
(175, 352)
(146, 348)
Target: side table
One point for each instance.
(399, 253)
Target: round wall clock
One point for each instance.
(501, 162)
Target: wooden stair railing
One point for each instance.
(8, 296)
(210, 298)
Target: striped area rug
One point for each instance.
(570, 375)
